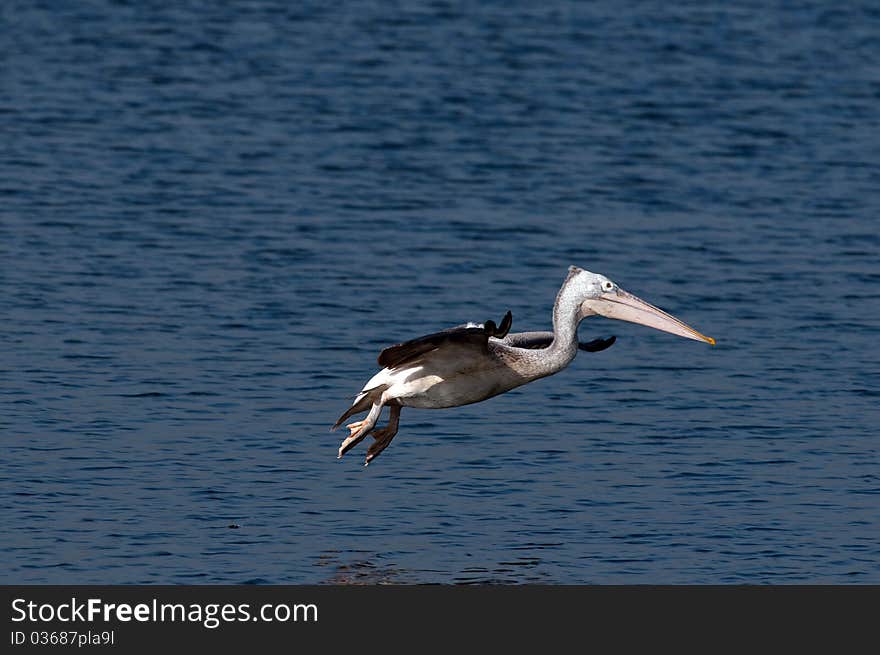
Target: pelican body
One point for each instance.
(473, 362)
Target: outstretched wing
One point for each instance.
(474, 334)
(535, 340)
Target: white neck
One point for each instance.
(566, 318)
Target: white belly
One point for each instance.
(434, 384)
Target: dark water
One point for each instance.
(214, 215)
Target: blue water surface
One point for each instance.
(214, 215)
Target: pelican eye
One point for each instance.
(608, 285)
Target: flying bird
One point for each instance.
(472, 362)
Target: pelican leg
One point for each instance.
(354, 427)
(360, 429)
(384, 436)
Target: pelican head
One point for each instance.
(604, 298)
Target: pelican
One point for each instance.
(475, 361)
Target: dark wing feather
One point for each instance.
(504, 328)
(597, 345)
(531, 340)
(537, 340)
(477, 336)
